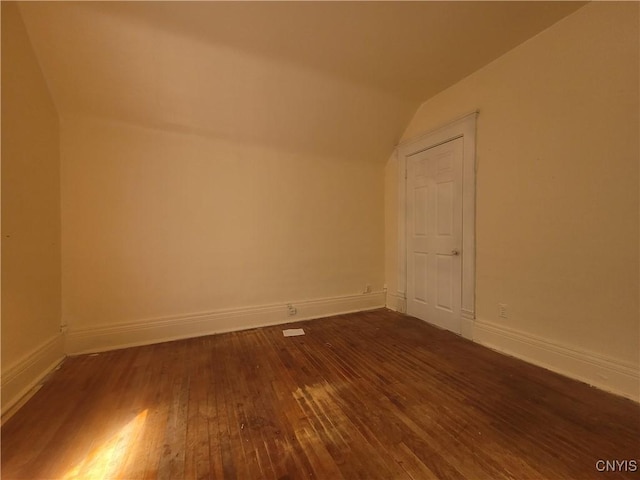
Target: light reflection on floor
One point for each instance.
(104, 461)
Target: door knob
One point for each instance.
(455, 252)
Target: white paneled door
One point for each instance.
(434, 234)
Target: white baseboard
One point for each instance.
(145, 332)
(21, 377)
(396, 302)
(606, 373)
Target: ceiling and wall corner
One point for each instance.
(218, 155)
(329, 78)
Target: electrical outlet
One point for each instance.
(367, 288)
(502, 310)
(291, 310)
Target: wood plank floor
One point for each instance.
(373, 395)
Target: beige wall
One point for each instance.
(557, 182)
(158, 223)
(30, 199)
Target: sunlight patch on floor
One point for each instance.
(104, 461)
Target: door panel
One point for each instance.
(421, 195)
(444, 272)
(445, 208)
(421, 281)
(434, 234)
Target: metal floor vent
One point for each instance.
(293, 332)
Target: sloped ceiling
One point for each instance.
(329, 78)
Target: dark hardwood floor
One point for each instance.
(374, 395)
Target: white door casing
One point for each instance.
(412, 154)
(434, 234)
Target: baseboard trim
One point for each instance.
(146, 332)
(396, 302)
(25, 374)
(606, 373)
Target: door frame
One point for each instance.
(464, 127)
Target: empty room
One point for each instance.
(320, 240)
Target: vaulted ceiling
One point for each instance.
(330, 78)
